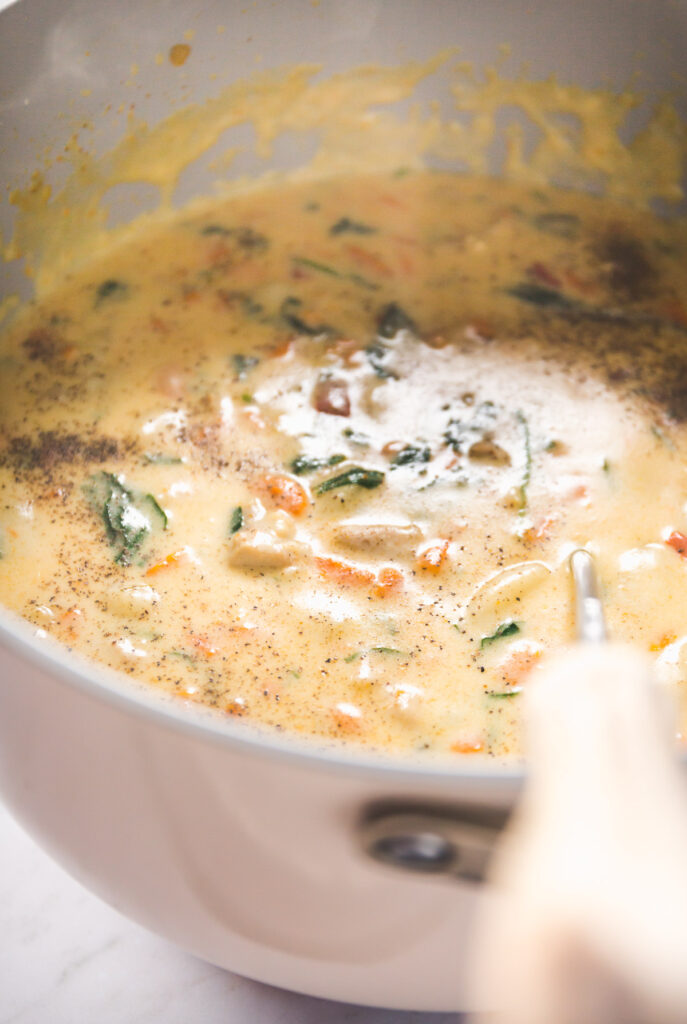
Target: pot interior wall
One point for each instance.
(84, 66)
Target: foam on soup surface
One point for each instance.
(317, 455)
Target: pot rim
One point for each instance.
(141, 700)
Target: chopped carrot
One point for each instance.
(517, 665)
(432, 558)
(173, 559)
(343, 573)
(539, 531)
(369, 261)
(282, 348)
(389, 581)
(254, 417)
(676, 312)
(347, 717)
(665, 641)
(70, 620)
(235, 706)
(159, 325)
(204, 645)
(390, 200)
(678, 541)
(467, 747)
(540, 272)
(286, 493)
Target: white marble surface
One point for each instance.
(67, 958)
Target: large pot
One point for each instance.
(262, 854)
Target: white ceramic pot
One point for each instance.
(254, 852)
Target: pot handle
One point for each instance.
(457, 841)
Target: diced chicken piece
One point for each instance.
(385, 540)
(263, 548)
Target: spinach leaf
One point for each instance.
(376, 355)
(323, 268)
(354, 477)
(161, 459)
(236, 521)
(355, 437)
(308, 463)
(354, 227)
(508, 628)
(110, 289)
(129, 516)
(290, 313)
(245, 238)
(243, 364)
(393, 319)
(461, 433)
(410, 454)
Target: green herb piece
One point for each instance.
(354, 477)
(245, 397)
(392, 320)
(661, 436)
(374, 650)
(294, 672)
(110, 289)
(129, 516)
(503, 694)
(243, 364)
(460, 434)
(355, 437)
(538, 295)
(376, 355)
(161, 459)
(563, 225)
(233, 298)
(323, 268)
(290, 313)
(606, 466)
(236, 521)
(411, 454)
(508, 628)
(400, 172)
(245, 238)
(354, 227)
(215, 229)
(182, 655)
(527, 470)
(309, 464)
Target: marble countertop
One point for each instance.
(67, 957)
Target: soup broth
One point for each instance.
(317, 455)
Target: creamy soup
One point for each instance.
(317, 455)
